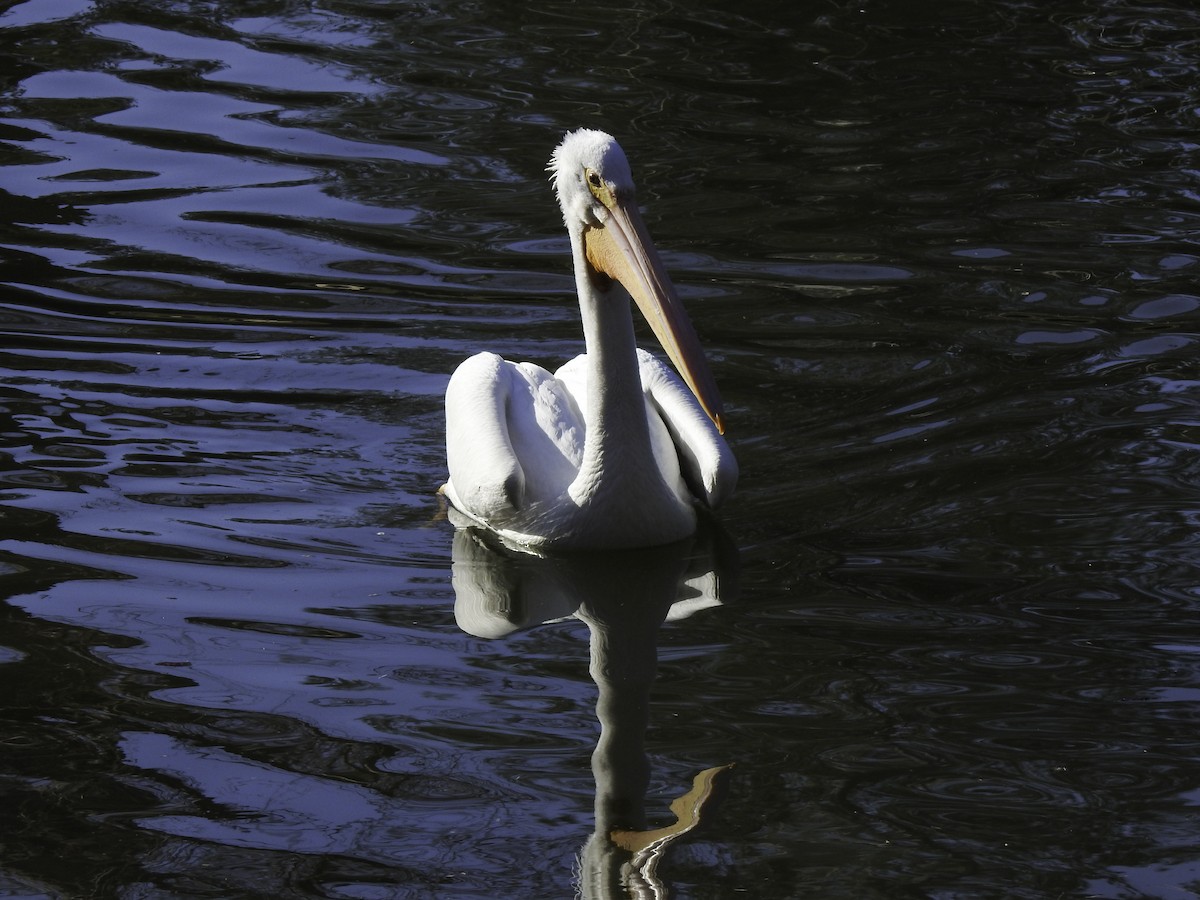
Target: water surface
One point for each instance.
(944, 261)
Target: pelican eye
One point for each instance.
(600, 190)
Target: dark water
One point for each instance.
(944, 257)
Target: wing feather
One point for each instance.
(706, 460)
(514, 437)
(486, 477)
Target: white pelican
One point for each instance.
(612, 450)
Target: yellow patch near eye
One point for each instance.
(599, 187)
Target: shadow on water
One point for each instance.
(623, 597)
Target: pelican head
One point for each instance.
(596, 193)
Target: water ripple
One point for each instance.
(943, 260)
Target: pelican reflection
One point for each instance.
(623, 597)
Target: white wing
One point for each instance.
(514, 436)
(707, 462)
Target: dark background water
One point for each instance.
(944, 259)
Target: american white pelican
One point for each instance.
(612, 450)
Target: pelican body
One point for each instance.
(614, 449)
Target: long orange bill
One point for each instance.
(622, 249)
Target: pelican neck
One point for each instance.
(614, 382)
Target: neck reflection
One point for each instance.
(623, 597)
